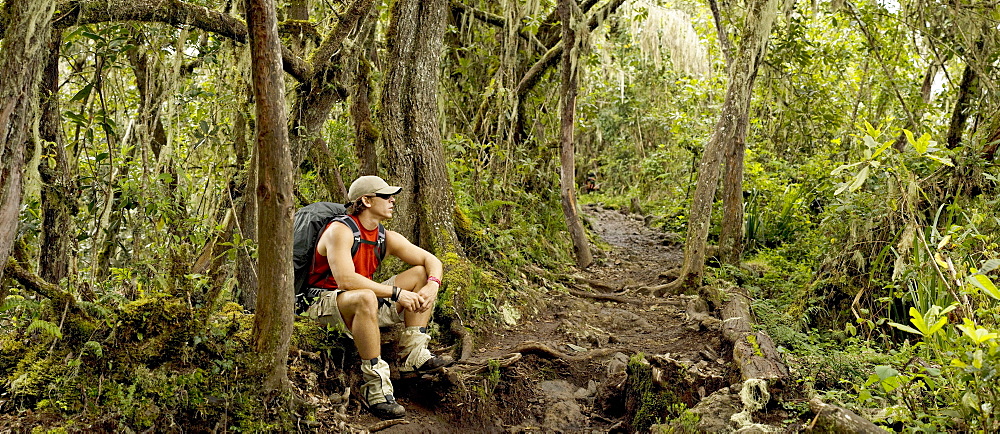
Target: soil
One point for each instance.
(561, 369)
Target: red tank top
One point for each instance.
(365, 261)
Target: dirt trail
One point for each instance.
(566, 356)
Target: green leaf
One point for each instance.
(971, 400)
(45, 327)
(882, 148)
(943, 160)
(859, 180)
(844, 167)
(983, 282)
(911, 141)
(905, 328)
(83, 93)
(885, 372)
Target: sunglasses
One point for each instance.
(382, 196)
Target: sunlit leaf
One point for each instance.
(984, 283)
(978, 335)
(882, 148)
(859, 179)
(844, 167)
(943, 160)
(943, 242)
(885, 372)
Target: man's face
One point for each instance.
(382, 205)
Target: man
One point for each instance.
(362, 305)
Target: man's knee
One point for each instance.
(358, 302)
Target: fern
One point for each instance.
(94, 348)
(14, 302)
(46, 327)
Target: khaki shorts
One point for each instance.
(326, 311)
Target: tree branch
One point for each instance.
(483, 16)
(35, 283)
(548, 59)
(174, 12)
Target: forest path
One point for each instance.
(561, 369)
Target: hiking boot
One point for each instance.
(434, 363)
(376, 393)
(388, 409)
(418, 358)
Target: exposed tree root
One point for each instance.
(831, 418)
(596, 284)
(753, 351)
(618, 298)
(464, 338)
(379, 426)
(538, 348)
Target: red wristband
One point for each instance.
(433, 279)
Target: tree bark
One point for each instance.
(730, 130)
(567, 160)
(967, 89)
(731, 236)
(754, 352)
(21, 62)
(246, 267)
(272, 329)
(720, 28)
(365, 134)
(59, 182)
(411, 126)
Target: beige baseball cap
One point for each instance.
(370, 184)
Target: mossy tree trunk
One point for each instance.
(410, 122)
(567, 110)
(59, 187)
(21, 63)
(730, 131)
(272, 329)
(365, 134)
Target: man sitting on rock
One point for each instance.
(363, 305)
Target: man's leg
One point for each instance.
(414, 338)
(359, 308)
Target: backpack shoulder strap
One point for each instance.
(380, 243)
(355, 231)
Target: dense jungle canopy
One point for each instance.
(832, 163)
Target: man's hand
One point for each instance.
(428, 295)
(410, 300)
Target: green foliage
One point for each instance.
(954, 388)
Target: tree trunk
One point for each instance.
(58, 189)
(567, 175)
(246, 208)
(21, 62)
(272, 329)
(731, 236)
(720, 29)
(365, 134)
(730, 130)
(967, 89)
(411, 126)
